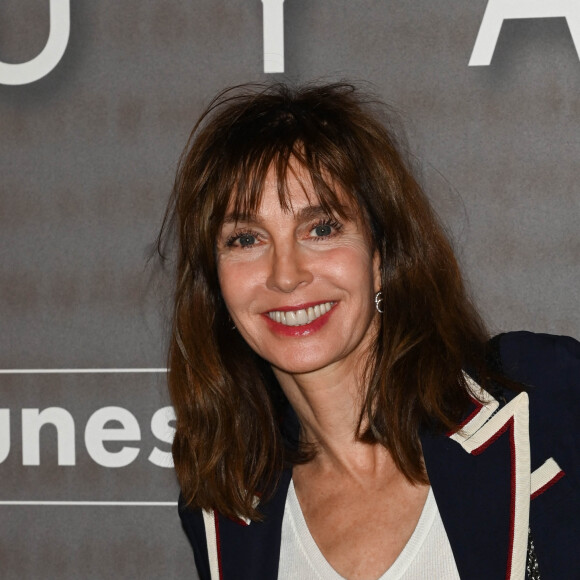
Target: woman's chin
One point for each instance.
(301, 365)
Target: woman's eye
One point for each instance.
(325, 229)
(246, 240)
(242, 240)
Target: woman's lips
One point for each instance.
(300, 316)
(300, 321)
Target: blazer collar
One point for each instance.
(480, 477)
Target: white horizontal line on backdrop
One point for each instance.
(73, 371)
(94, 503)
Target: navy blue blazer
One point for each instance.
(514, 463)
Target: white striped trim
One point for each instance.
(487, 410)
(474, 442)
(211, 540)
(544, 475)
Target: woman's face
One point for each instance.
(299, 285)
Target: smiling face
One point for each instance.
(299, 283)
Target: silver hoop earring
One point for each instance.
(379, 301)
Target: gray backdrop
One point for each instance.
(87, 156)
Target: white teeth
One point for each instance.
(302, 316)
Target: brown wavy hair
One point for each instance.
(229, 444)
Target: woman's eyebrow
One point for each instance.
(307, 213)
(311, 212)
(242, 217)
(233, 219)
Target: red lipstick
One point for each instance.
(304, 329)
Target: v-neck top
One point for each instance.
(427, 554)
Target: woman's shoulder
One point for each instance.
(548, 367)
(535, 359)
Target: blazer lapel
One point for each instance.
(249, 552)
(480, 477)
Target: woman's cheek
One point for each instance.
(237, 279)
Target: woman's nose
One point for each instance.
(289, 270)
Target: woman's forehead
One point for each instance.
(295, 191)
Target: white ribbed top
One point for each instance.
(427, 554)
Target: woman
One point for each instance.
(340, 410)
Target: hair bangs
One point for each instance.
(306, 158)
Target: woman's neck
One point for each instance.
(328, 404)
